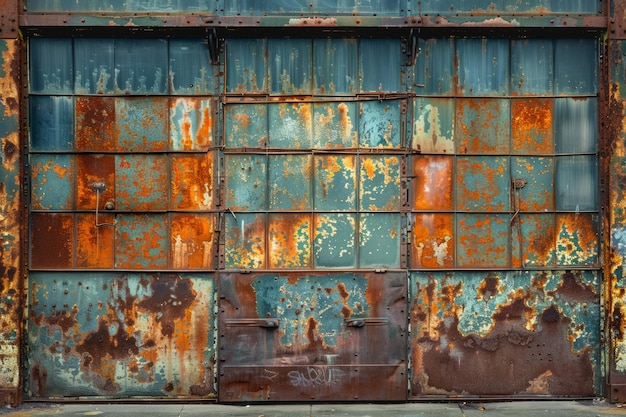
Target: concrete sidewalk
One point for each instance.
(462, 409)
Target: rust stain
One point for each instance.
(95, 124)
(531, 126)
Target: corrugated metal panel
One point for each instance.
(314, 337)
(334, 125)
(291, 125)
(540, 329)
(121, 334)
(335, 182)
(483, 67)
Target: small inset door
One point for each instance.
(313, 337)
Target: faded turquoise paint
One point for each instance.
(290, 125)
(335, 65)
(335, 237)
(334, 125)
(289, 182)
(335, 182)
(434, 67)
(379, 240)
(328, 300)
(52, 179)
(141, 124)
(532, 67)
(245, 241)
(483, 126)
(246, 125)
(379, 186)
(379, 124)
(246, 182)
(98, 334)
(53, 128)
(483, 67)
(538, 193)
(459, 317)
(191, 124)
(482, 183)
(376, 56)
(526, 6)
(568, 54)
(141, 182)
(246, 61)
(190, 69)
(290, 66)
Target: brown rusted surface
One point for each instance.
(95, 124)
(312, 336)
(45, 229)
(531, 126)
(11, 295)
(8, 19)
(522, 338)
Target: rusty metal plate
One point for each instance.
(289, 182)
(532, 67)
(121, 335)
(432, 183)
(379, 240)
(246, 182)
(141, 124)
(192, 186)
(303, 337)
(433, 125)
(246, 125)
(334, 240)
(335, 182)
(141, 241)
(533, 240)
(191, 124)
(483, 67)
(379, 186)
(193, 243)
(141, 182)
(577, 239)
(52, 179)
(482, 126)
(432, 241)
(532, 126)
(90, 169)
(334, 125)
(52, 128)
(290, 125)
(482, 183)
(505, 334)
(289, 239)
(379, 123)
(482, 240)
(95, 124)
(46, 228)
(95, 241)
(245, 241)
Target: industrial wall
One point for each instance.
(312, 201)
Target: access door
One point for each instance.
(312, 336)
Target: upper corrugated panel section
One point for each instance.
(322, 7)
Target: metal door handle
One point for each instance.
(356, 323)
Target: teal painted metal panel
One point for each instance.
(290, 125)
(246, 125)
(376, 58)
(190, 69)
(506, 333)
(532, 67)
(482, 126)
(483, 67)
(379, 123)
(290, 240)
(498, 7)
(141, 124)
(246, 63)
(335, 125)
(537, 194)
(94, 66)
(53, 128)
(289, 182)
(246, 182)
(141, 66)
(52, 179)
(335, 240)
(54, 71)
(335, 182)
(534, 241)
(434, 67)
(573, 78)
(576, 125)
(576, 183)
(290, 66)
(577, 239)
(379, 240)
(379, 185)
(335, 66)
(104, 334)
